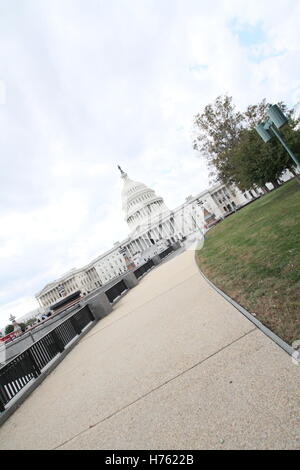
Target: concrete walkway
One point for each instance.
(173, 367)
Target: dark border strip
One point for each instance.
(285, 346)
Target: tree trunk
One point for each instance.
(295, 175)
(275, 184)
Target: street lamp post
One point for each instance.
(267, 130)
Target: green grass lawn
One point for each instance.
(254, 257)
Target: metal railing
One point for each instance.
(115, 291)
(166, 252)
(30, 363)
(17, 373)
(144, 268)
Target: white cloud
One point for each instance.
(90, 85)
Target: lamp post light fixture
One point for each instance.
(267, 130)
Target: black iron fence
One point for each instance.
(115, 291)
(17, 373)
(166, 252)
(144, 268)
(26, 366)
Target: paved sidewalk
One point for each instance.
(174, 366)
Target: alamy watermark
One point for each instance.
(186, 225)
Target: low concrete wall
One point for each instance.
(27, 339)
(100, 306)
(156, 260)
(18, 345)
(130, 280)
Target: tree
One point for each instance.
(256, 164)
(9, 329)
(263, 163)
(218, 131)
(227, 138)
(30, 322)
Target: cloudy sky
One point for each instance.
(86, 85)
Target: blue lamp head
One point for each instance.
(277, 116)
(263, 133)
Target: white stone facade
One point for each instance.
(153, 227)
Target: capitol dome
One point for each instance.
(140, 204)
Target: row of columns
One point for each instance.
(142, 213)
(53, 296)
(93, 277)
(167, 229)
(48, 298)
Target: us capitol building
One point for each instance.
(153, 227)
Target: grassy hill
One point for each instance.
(254, 256)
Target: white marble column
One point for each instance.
(156, 231)
(140, 242)
(147, 239)
(129, 249)
(174, 226)
(164, 231)
(176, 231)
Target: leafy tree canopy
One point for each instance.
(236, 154)
(9, 329)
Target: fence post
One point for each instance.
(2, 407)
(36, 369)
(156, 260)
(91, 315)
(75, 325)
(58, 342)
